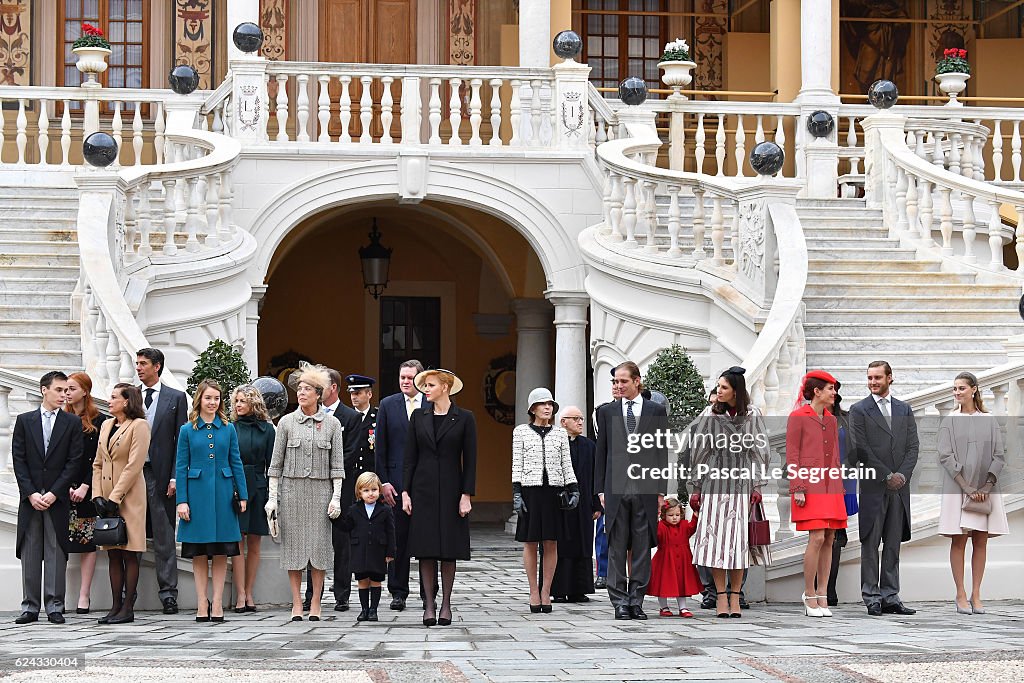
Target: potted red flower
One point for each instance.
(92, 50)
(952, 72)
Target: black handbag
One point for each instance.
(565, 500)
(110, 531)
(236, 500)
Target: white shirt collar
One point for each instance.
(43, 410)
(417, 400)
(156, 388)
(333, 408)
(638, 403)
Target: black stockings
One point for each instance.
(428, 577)
(124, 579)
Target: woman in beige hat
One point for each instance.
(541, 470)
(439, 478)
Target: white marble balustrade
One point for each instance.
(391, 104)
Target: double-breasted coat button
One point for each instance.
(211, 445)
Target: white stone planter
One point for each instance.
(92, 61)
(677, 75)
(952, 83)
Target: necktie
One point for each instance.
(149, 397)
(47, 428)
(630, 417)
(410, 405)
(327, 411)
(883, 406)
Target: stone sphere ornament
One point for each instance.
(247, 37)
(767, 158)
(1020, 308)
(567, 44)
(820, 124)
(633, 91)
(274, 394)
(184, 79)
(883, 94)
(99, 150)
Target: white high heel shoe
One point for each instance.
(825, 611)
(811, 611)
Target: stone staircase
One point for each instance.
(39, 266)
(868, 299)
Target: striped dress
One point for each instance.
(720, 540)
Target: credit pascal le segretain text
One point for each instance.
(749, 472)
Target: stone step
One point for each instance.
(940, 345)
(872, 266)
(42, 259)
(19, 341)
(40, 358)
(822, 285)
(833, 203)
(872, 316)
(862, 244)
(41, 212)
(68, 364)
(841, 221)
(896, 302)
(43, 297)
(813, 233)
(62, 284)
(839, 279)
(42, 328)
(11, 268)
(38, 312)
(39, 246)
(64, 202)
(898, 329)
(816, 252)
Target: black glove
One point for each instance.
(518, 504)
(574, 496)
(100, 504)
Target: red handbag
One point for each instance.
(759, 529)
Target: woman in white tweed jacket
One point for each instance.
(541, 469)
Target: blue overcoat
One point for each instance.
(208, 469)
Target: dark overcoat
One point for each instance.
(439, 469)
(39, 472)
(372, 539)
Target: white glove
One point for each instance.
(334, 508)
(271, 507)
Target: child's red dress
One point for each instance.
(673, 574)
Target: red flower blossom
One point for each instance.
(947, 52)
(90, 30)
(963, 54)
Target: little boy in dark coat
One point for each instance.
(371, 529)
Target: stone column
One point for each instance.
(533, 350)
(817, 158)
(816, 48)
(571, 348)
(240, 11)
(252, 325)
(535, 33)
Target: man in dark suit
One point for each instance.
(166, 411)
(630, 497)
(349, 419)
(884, 439)
(46, 454)
(392, 430)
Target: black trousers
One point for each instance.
(629, 531)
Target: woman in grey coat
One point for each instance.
(971, 453)
(306, 475)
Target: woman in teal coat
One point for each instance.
(209, 473)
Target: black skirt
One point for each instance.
(544, 519)
(190, 550)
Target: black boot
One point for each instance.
(364, 602)
(374, 602)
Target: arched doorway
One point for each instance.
(464, 286)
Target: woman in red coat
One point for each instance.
(673, 574)
(812, 460)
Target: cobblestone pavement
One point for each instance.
(494, 637)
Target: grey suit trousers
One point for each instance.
(881, 584)
(43, 562)
(629, 531)
(164, 550)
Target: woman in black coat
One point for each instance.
(439, 478)
(83, 512)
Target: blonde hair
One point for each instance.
(441, 376)
(255, 400)
(367, 480)
(193, 415)
(669, 503)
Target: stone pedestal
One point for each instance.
(533, 350)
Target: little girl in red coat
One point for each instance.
(673, 574)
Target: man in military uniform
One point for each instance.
(358, 459)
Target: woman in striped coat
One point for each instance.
(729, 434)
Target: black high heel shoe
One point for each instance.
(429, 621)
(734, 615)
(209, 608)
(445, 621)
(535, 609)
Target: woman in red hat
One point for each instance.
(812, 460)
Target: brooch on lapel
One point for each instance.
(319, 426)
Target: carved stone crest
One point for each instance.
(751, 241)
(573, 115)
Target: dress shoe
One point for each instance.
(27, 618)
(535, 609)
(338, 607)
(665, 612)
(622, 612)
(314, 617)
(962, 610)
(240, 610)
(82, 610)
(545, 609)
(875, 610)
(250, 608)
(977, 610)
(398, 604)
(305, 605)
(297, 617)
(559, 598)
(744, 604)
(832, 601)
(170, 606)
(364, 615)
(578, 598)
(124, 618)
(708, 602)
(372, 615)
(898, 608)
(601, 583)
(55, 617)
(685, 613)
(636, 612)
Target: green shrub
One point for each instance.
(674, 374)
(220, 361)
